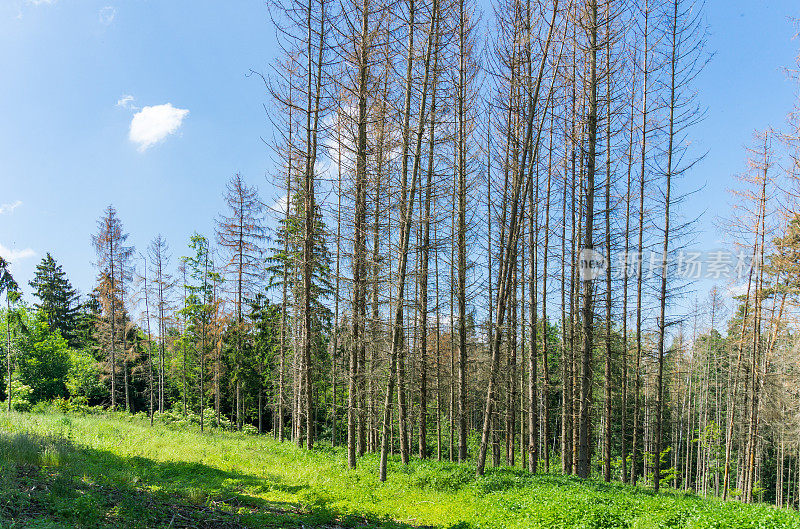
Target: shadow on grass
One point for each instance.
(48, 481)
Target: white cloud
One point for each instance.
(8, 209)
(737, 290)
(107, 15)
(152, 124)
(41, 2)
(13, 256)
(279, 206)
(126, 102)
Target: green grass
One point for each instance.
(117, 471)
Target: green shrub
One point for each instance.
(21, 395)
(84, 376)
(62, 405)
(79, 404)
(250, 429)
(42, 407)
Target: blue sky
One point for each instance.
(66, 150)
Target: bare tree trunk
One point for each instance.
(407, 208)
(462, 244)
(335, 350)
(452, 394)
(423, 280)
(511, 374)
(112, 259)
(508, 259)
(438, 355)
(149, 338)
(533, 367)
(567, 346)
(359, 245)
(607, 377)
(732, 404)
(284, 299)
(640, 246)
(491, 329)
(755, 381)
(584, 461)
(624, 425)
(312, 125)
(206, 302)
(8, 352)
(545, 323)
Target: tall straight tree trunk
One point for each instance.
(284, 280)
(662, 325)
(183, 370)
(533, 367)
(451, 285)
(376, 282)
(511, 394)
(567, 346)
(423, 280)
(545, 333)
(523, 375)
(335, 350)
(607, 381)
(112, 258)
(312, 124)
(407, 208)
(206, 303)
(640, 253)
(462, 242)
(576, 284)
(8, 350)
(161, 333)
(584, 461)
(124, 330)
(439, 450)
(402, 402)
(491, 329)
(149, 338)
(755, 382)
(519, 193)
(732, 403)
(359, 245)
(624, 419)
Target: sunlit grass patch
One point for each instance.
(119, 471)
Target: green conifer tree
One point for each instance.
(58, 301)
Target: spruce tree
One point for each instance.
(58, 301)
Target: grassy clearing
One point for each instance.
(117, 471)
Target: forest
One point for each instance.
(481, 255)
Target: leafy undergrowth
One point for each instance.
(117, 471)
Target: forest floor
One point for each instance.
(117, 471)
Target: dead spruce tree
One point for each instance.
(113, 264)
(161, 284)
(240, 233)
